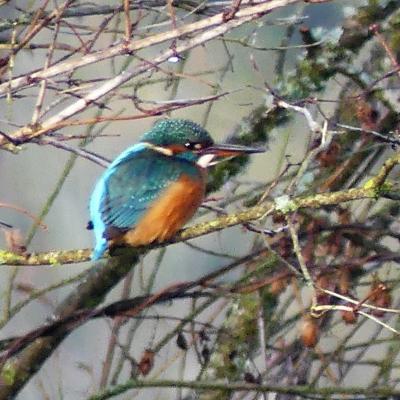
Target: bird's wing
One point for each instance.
(131, 184)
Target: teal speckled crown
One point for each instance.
(176, 131)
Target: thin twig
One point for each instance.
(128, 24)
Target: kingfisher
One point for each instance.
(154, 187)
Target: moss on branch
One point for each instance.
(247, 387)
(369, 190)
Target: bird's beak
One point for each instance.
(230, 150)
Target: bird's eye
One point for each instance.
(193, 146)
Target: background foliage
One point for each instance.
(285, 287)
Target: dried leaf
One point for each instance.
(309, 331)
(146, 362)
(14, 241)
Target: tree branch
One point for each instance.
(282, 205)
(300, 390)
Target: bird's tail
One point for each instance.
(98, 251)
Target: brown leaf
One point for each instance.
(379, 295)
(309, 331)
(344, 280)
(14, 241)
(278, 285)
(349, 317)
(146, 363)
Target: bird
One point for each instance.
(153, 188)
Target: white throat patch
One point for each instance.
(205, 160)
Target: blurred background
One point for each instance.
(54, 184)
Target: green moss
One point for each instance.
(237, 342)
(285, 205)
(53, 259)
(378, 190)
(384, 188)
(8, 373)
(6, 257)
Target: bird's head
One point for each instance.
(188, 140)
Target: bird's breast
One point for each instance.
(168, 213)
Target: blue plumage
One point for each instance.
(128, 187)
(99, 197)
(167, 155)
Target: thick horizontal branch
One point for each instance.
(300, 390)
(128, 307)
(282, 205)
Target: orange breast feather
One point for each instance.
(175, 206)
